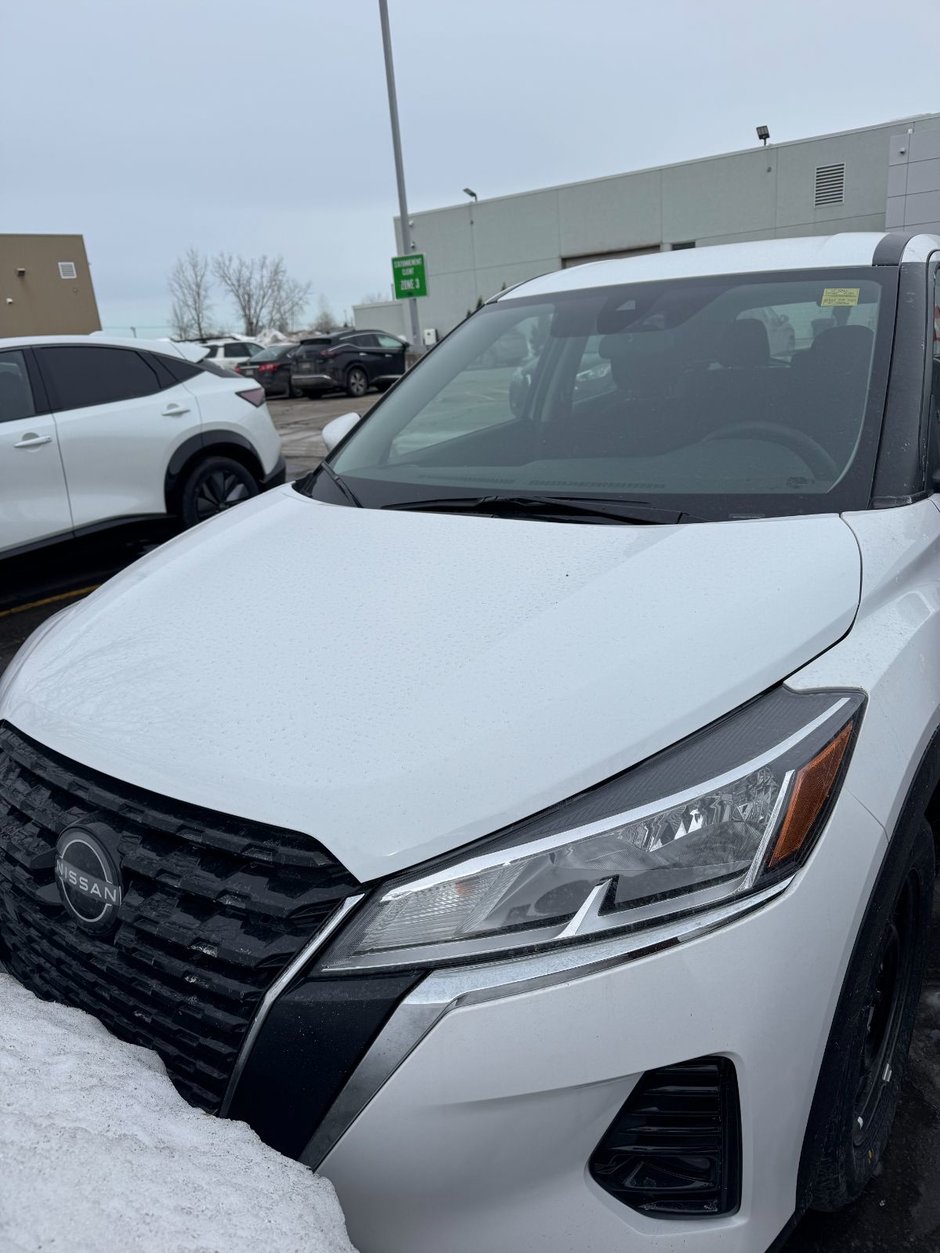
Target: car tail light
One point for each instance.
(674, 1150)
(254, 396)
(267, 367)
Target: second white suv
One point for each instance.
(230, 352)
(96, 432)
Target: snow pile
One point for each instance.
(99, 1154)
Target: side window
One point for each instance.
(367, 341)
(388, 341)
(78, 376)
(213, 350)
(16, 395)
(235, 350)
(176, 368)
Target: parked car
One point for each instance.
(352, 361)
(579, 898)
(229, 351)
(95, 432)
(272, 369)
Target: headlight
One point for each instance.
(725, 813)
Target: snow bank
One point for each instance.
(99, 1154)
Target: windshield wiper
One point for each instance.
(341, 484)
(552, 507)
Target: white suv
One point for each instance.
(97, 432)
(229, 351)
(578, 899)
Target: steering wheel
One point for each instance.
(813, 453)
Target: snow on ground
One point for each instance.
(99, 1154)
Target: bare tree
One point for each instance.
(190, 286)
(326, 318)
(251, 284)
(262, 291)
(288, 303)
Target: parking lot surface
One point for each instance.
(899, 1212)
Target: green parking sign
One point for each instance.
(410, 278)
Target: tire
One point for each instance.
(866, 1057)
(357, 381)
(213, 486)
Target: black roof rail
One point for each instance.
(890, 249)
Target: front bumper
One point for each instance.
(315, 382)
(469, 1123)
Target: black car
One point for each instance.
(350, 361)
(272, 369)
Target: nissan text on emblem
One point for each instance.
(88, 876)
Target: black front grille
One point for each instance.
(214, 909)
(674, 1150)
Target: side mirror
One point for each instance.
(339, 428)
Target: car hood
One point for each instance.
(396, 684)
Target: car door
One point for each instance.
(34, 502)
(393, 355)
(119, 419)
(368, 354)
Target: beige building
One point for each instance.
(45, 286)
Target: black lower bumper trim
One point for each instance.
(312, 1040)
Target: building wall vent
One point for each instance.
(830, 184)
(67, 269)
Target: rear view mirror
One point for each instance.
(339, 428)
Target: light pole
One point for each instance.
(406, 239)
(468, 191)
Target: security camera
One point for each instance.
(20, 271)
(9, 300)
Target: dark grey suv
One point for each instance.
(350, 361)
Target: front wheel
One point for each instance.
(866, 1057)
(213, 486)
(357, 381)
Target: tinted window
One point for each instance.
(387, 341)
(366, 341)
(16, 395)
(236, 350)
(177, 369)
(277, 353)
(80, 376)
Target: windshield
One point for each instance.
(725, 397)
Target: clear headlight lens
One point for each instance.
(694, 849)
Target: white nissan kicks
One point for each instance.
(577, 899)
(96, 432)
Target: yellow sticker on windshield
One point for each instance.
(839, 296)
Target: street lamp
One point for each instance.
(468, 191)
(763, 134)
(406, 239)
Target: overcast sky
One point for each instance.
(261, 126)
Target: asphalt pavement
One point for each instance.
(900, 1210)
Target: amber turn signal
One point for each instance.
(811, 789)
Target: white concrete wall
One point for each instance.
(914, 177)
(385, 315)
(473, 250)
